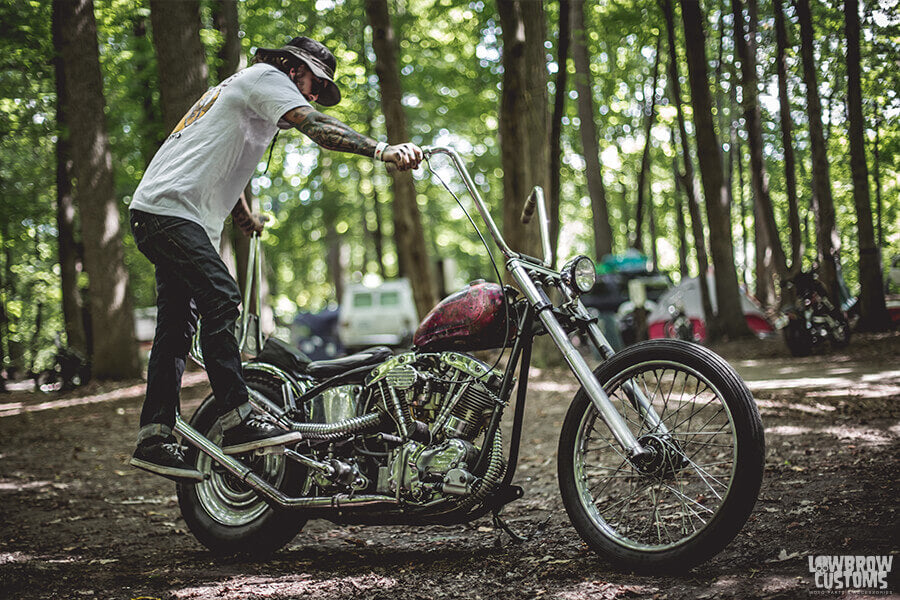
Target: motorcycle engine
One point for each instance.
(441, 403)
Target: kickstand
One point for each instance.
(499, 523)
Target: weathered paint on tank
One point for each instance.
(470, 319)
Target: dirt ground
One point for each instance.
(77, 522)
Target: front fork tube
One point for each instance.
(635, 393)
(583, 373)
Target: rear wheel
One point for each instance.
(224, 513)
(689, 501)
(798, 338)
(840, 332)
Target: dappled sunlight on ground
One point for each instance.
(856, 434)
(601, 590)
(286, 586)
(78, 522)
(11, 485)
(9, 409)
(814, 409)
(821, 380)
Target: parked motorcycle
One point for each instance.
(679, 326)
(660, 453)
(812, 319)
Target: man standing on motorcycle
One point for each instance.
(177, 215)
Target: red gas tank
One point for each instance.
(471, 319)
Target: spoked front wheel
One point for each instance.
(693, 494)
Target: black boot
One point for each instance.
(163, 456)
(257, 431)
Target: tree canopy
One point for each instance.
(449, 55)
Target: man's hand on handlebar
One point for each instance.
(403, 156)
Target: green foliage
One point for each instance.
(29, 277)
(449, 56)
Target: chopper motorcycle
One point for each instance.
(660, 454)
(812, 319)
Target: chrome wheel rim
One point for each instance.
(226, 499)
(660, 508)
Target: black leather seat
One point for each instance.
(284, 356)
(322, 369)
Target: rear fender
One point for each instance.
(291, 387)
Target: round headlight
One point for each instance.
(579, 274)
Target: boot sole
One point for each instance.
(173, 473)
(281, 440)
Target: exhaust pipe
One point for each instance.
(264, 488)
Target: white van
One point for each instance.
(382, 315)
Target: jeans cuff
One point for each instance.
(153, 430)
(235, 417)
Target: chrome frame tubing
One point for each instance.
(515, 265)
(544, 223)
(544, 220)
(261, 486)
(642, 404)
(254, 272)
(617, 425)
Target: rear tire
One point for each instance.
(840, 334)
(225, 514)
(797, 338)
(688, 503)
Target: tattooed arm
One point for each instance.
(331, 134)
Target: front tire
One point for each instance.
(687, 504)
(225, 514)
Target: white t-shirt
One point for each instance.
(201, 169)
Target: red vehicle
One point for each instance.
(660, 453)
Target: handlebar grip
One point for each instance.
(530, 203)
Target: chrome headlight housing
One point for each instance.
(579, 275)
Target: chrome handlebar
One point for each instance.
(536, 197)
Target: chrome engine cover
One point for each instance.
(420, 472)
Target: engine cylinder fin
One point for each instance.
(473, 408)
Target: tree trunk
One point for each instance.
(642, 183)
(729, 321)
(873, 313)
(790, 177)
(181, 59)
(150, 130)
(367, 178)
(559, 109)
(65, 210)
(687, 181)
(409, 236)
(745, 40)
(334, 263)
(679, 216)
(524, 118)
(828, 242)
(537, 115)
(115, 353)
(225, 20)
(742, 202)
(603, 238)
(876, 155)
(765, 282)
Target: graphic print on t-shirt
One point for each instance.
(198, 109)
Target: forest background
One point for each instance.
(757, 138)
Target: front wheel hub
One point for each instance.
(664, 457)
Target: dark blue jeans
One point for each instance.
(191, 280)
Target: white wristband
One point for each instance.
(379, 151)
